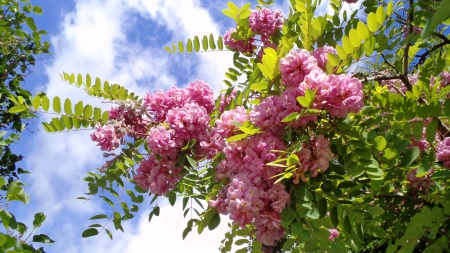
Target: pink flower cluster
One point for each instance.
(338, 94)
(443, 152)
(180, 116)
(265, 22)
(159, 176)
(128, 118)
(334, 233)
(321, 55)
(445, 78)
(243, 46)
(251, 195)
(419, 185)
(106, 137)
(314, 155)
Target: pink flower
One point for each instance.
(243, 46)
(443, 152)
(316, 80)
(421, 184)
(160, 176)
(266, 115)
(159, 103)
(345, 96)
(445, 78)
(321, 55)
(202, 94)
(226, 124)
(190, 121)
(295, 66)
(334, 233)
(106, 137)
(288, 104)
(265, 22)
(161, 140)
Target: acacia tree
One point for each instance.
(331, 135)
(20, 43)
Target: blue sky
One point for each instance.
(120, 41)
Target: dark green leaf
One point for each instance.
(89, 232)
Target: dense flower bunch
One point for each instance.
(243, 46)
(250, 179)
(128, 118)
(263, 23)
(445, 78)
(419, 184)
(443, 152)
(251, 195)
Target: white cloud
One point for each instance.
(93, 39)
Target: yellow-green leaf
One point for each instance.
(45, 103)
(68, 106)
(381, 15)
(205, 43)
(36, 102)
(57, 104)
(87, 113)
(372, 22)
(196, 44)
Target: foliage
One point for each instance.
(332, 134)
(20, 44)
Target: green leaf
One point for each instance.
(189, 46)
(347, 225)
(57, 104)
(180, 47)
(17, 109)
(290, 117)
(87, 113)
(409, 156)
(42, 239)
(107, 201)
(220, 43)
(334, 216)
(109, 233)
(186, 231)
(212, 44)
(347, 45)
(105, 117)
(380, 15)
(214, 222)
(390, 153)
(196, 44)
(68, 106)
(2, 240)
(39, 218)
(89, 232)
(237, 137)
(37, 10)
(172, 198)
(379, 143)
(333, 59)
(58, 124)
(376, 210)
(99, 216)
(431, 131)
(45, 103)
(36, 102)
(372, 22)
(292, 159)
(440, 16)
(205, 43)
